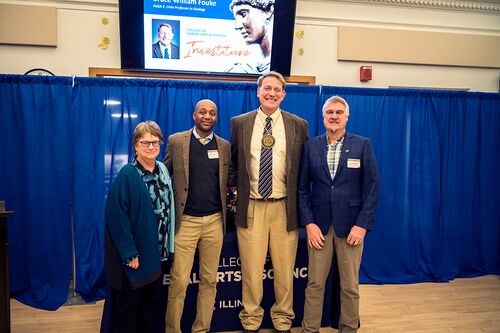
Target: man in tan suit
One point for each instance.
(199, 162)
(266, 146)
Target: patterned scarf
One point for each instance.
(159, 187)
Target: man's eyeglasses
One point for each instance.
(146, 144)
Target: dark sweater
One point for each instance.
(204, 194)
(131, 230)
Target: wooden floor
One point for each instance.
(463, 305)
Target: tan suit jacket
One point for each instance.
(177, 162)
(241, 135)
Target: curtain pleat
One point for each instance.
(35, 182)
(62, 146)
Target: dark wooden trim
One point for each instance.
(4, 274)
(117, 72)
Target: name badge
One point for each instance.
(213, 154)
(353, 163)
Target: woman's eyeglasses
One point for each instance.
(146, 144)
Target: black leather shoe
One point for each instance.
(250, 331)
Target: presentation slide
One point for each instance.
(207, 36)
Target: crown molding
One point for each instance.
(487, 6)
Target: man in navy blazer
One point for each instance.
(337, 193)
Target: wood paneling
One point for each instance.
(117, 72)
(4, 273)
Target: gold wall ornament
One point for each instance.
(299, 34)
(300, 51)
(104, 43)
(105, 21)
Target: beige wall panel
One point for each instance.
(28, 25)
(418, 47)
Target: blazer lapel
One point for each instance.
(185, 154)
(222, 159)
(321, 150)
(247, 137)
(346, 147)
(289, 137)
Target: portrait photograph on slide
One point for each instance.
(165, 39)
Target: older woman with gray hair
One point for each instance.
(139, 235)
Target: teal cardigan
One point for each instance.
(131, 229)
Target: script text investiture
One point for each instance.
(196, 49)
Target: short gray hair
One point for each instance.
(148, 126)
(334, 99)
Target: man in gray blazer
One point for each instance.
(199, 162)
(266, 146)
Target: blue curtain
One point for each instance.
(436, 152)
(230, 98)
(106, 113)
(304, 101)
(35, 181)
(437, 155)
(101, 145)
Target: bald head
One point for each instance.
(205, 116)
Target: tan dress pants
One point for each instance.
(206, 233)
(267, 230)
(349, 260)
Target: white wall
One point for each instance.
(319, 21)
(80, 31)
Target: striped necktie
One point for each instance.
(166, 54)
(266, 165)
